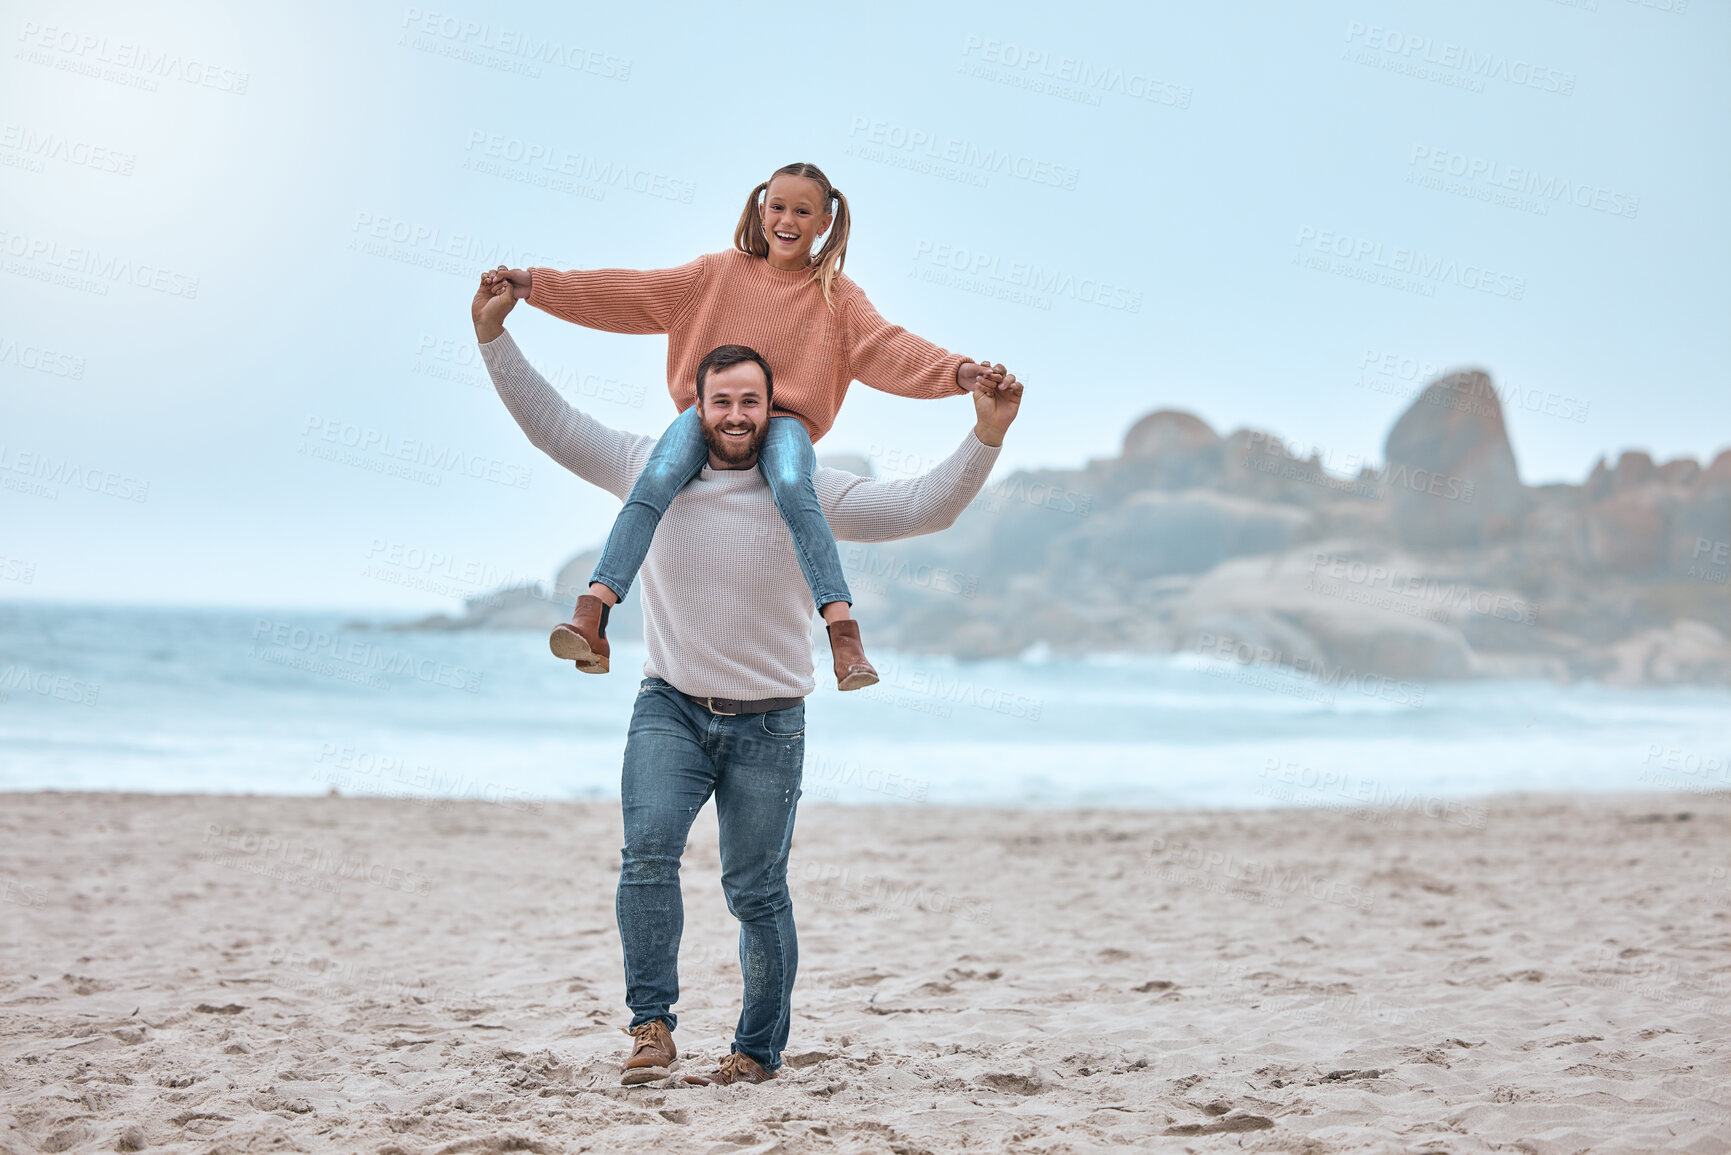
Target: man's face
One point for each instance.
(734, 413)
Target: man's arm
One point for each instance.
(598, 454)
(860, 509)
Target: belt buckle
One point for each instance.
(710, 702)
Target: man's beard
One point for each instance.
(731, 450)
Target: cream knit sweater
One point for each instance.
(726, 610)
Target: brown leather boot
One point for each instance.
(852, 671)
(736, 1068)
(583, 639)
(652, 1054)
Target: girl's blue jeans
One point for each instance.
(787, 461)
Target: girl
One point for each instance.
(818, 333)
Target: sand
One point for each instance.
(383, 975)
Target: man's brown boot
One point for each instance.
(736, 1068)
(651, 1055)
(852, 671)
(583, 639)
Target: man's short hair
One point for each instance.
(726, 356)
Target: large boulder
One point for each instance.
(1168, 432)
(1450, 475)
(1313, 608)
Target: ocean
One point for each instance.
(265, 702)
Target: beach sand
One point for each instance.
(1536, 974)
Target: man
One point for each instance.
(727, 622)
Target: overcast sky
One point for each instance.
(238, 236)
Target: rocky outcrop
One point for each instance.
(1436, 564)
(1450, 472)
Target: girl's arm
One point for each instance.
(617, 300)
(888, 357)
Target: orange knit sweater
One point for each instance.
(733, 298)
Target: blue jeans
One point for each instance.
(787, 461)
(677, 755)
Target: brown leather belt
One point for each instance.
(730, 706)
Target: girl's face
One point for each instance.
(795, 213)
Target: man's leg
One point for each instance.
(756, 798)
(668, 776)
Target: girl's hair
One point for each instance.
(826, 266)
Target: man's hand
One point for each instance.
(493, 302)
(974, 375)
(518, 279)
(996, 403)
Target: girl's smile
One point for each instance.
(794, 216)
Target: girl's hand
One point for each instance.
(518, 279)
(983, 378)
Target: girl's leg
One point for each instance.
(788, 461)
(677, 458)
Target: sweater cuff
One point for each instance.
(499, 348)
(979, 451)
(955, 376)
(540, 284)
